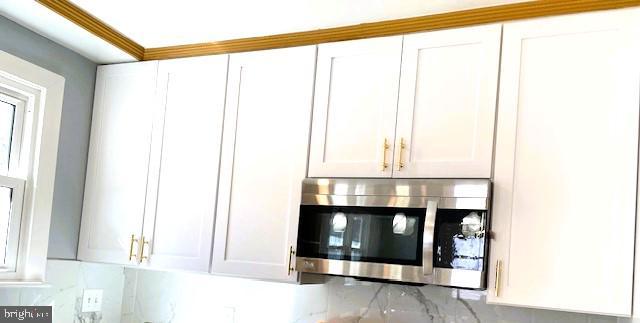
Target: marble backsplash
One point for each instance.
(66, 281)
(162, 297)
(146, 296)
(351, 301)
(168, 297)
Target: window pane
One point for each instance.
(5, 217)
(7, 112)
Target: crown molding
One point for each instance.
(392, 27)
(501, 13)
(95, 26)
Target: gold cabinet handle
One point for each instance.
(385, 148)
(498, 274)
(402, 147)
(142, 244)
(290, 268)
(131, 255)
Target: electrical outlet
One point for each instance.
(92, 300)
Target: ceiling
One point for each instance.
(166, 23)
(50, 25)
(153, 23)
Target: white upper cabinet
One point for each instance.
(442, 85)
(447, 103)
(263, 162)
(180, 213)
(116, 183)
(566, 164)
(354, 113)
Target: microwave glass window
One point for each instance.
(335, 243)
(370, 234)
(459, 239)
(356, 239)
(336, 234)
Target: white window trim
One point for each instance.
(15, 220)
(20, 103)
(43, 93)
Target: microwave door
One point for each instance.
(345, 240)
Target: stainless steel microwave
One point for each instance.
(423, 231)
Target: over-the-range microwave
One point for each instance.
(421, 231)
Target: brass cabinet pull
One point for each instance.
(290, 268)
(498, 274)
(402, 147)
(142, 244)
(385, 148)
(133, 239)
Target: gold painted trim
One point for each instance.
(478, 16)
(494, 14)
(93, 25)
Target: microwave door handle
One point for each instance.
(427, 240)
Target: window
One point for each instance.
(12, 112)
(30, 110)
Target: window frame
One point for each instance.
(15, 178)
(15, 220)
(39, 94)
(19, 102)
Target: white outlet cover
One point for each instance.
(92, 300)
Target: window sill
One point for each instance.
(24, 284)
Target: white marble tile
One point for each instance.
(186, 297)
(420, 304)
(544, 316)
(153, 297)
(129, 291)
(61, 293)
(63, 277)
(309, 303)
(503, 314)
(604, 319)
(109, 278)
(138, 296)
(471, 307)
(10, 296)
(408, 304)
(349, 298)
(66, 281)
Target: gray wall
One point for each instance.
(80, 75)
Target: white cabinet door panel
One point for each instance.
(184, 169)
(116, 182)
(355, 107)
(447, 103)
(566, 163)
(263, 163)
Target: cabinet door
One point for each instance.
(566, 164)
(118, 161)
(447, 103)
(263, 162)
(354, 113)
(183, 177)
